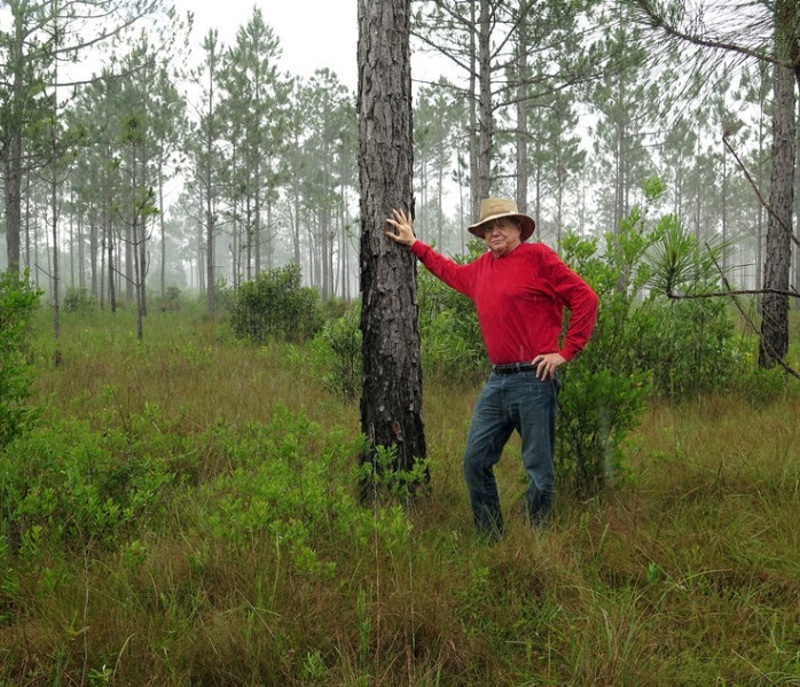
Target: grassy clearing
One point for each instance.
(189, 518)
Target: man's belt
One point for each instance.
(514, 368)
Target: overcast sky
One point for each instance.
(313, 33)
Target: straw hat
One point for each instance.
(495, 208)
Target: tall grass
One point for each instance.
(196, 524)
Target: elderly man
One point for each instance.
(520, 291)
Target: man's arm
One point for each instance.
(458, 277)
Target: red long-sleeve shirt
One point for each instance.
(520, 300)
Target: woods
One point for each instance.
(212, 359)
(229, 167)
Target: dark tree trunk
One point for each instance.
(391, 401)
(774, 305)
(486, 134)
(13, 199)
(522, 110)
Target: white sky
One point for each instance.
(313, 33)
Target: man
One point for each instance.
(519, 290)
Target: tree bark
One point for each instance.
(774, 342)
(391, 402)
(486, 134)
(522, 110)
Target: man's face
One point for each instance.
(502, 236)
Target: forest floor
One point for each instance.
(185, 513)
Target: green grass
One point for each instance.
(185, 515)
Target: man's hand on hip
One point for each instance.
(546, 365)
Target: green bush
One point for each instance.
(78, 300)
(605, 391)
(275, 306)
(643, 341)
(18, 300)
(337, 353)
(171, 300)
(685, 338)
(274, 490)
(69, 485)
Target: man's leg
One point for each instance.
(488, 433)
(535, 409)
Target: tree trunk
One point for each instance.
(391, 402)
(474, 153)
(774, 342)
(485, 135)
(13, 199)
(522, 111)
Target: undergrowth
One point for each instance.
(184, 513)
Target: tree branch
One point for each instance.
(729, 292)
(761, 198)
(658, 21)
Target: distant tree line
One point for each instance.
(140, 174)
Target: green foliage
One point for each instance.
(381, 479)
(604, 391)
(228, 535)
(643, 342)
(284, 482)
(78, 300)
(68, 485)
(337, 353)
(171, 301)
(275, 306)
(18, 300)
(686, 340)
(225, 297)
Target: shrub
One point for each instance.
(69, 485)
(642, 342)
(18, 301)
(686, 339)
(171, 300)
(605, 391)
(275, 306)
(78, 300)
(337, 353)
(452, 345)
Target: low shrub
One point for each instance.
(337, 353)
(276, 306)
(78, 300)
(18, 301)
(69, 485)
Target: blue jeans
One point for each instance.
(511, 402)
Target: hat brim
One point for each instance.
(527, 225)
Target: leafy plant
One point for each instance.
(337, 353)
(643, 341)
(452, 345)
(78, 300)
(69, 485)
(18, 300)
(171, 300)
(276, 306)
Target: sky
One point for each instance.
(312, 33)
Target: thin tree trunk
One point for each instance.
(775, 305)
(522, 111)
(485, 135)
